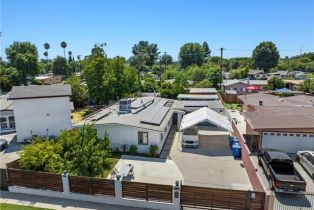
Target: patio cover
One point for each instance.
(205, 115)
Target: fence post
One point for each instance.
(176, 194)
(118, 188)
(66, 182)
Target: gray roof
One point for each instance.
(40, 91)
(137, 117)
(251, 82)
(203, 90)
(256, 71)
(5, 104)
(197, 97)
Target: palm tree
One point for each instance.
(63, 45)
(47, 46)
(46, 55)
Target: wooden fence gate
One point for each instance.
(213, 198)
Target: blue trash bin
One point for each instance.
(232, 140)
(236, 150)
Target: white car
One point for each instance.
(306, 159)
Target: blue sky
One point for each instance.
(237, 26)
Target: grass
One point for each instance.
(6, 206)
(79, 114)
(233, 106)
(113, 161)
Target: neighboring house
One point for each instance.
(6, 115)
(240, 86)
(150, 94)
(49, 79)
(299, 75)
(41, 110)
(278, 74)
(141, 122)
(206, 127)
(289, 129)
(293, 84)
(203, 91)
(257, 75)
(192, 102)
(255, 100)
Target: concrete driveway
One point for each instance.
(209, 168)
(151, 170)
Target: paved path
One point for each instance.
(169, 141)
(56, 203)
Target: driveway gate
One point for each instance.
(294, 201)
(214, 198)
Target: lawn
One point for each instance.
(113, 161)
(79, 114)
(6, 206)
(233, 106)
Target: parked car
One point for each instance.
(191, 143)
(3, 144)
(306, 159)
(280, 171)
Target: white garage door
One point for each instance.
(288, 142)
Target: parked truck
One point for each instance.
(280, 171)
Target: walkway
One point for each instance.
(56, 203)
(168, 144)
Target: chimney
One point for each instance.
(260, 103)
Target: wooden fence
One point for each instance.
(34, 179)
(221, 198)
(92, 186)
(146, 191)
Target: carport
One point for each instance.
(211, 129)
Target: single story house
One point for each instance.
(240, 86)
(279, 74)
(257, 74)
(293, 84)
(203, 91)
(191, 102)
(142, 122)
(42, 110)
(6, 115)
(206, 126)
(289, 129)
(49, 79)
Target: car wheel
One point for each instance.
(298, 159)
(271, 187)
(259, 162)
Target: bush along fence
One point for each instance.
(136, 194)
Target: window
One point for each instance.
(304, 135)
(265, 134)
(278, 134)
(284, 134)
(291, 134)
(11, 122)
(312, 135)
(298, 135)
(143, 138)
(3, 121)
(272, 134)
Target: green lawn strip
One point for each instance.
(113, 161)
(233, 106)
(6, 206)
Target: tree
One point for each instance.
(166, 59)
(79, 91)
(204, 84)
(190, 54)
(196, 73)
(8, 77)
(60, 66)
(47, 46)
(77, 151)
(23, 56)
(275, 83)
(265, 56)
(310, 67)
(70, 56)
(149, 84)
(214, 77)
(144, 54)
(64, 45)
(207, 51)
(307, 86)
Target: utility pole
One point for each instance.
(165, 53)
(221, 56)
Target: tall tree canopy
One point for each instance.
(265, 56)
(144, 55)
(23, 56)
(193, 53)
(275, 83)
(166, 59)
(79, 91)
(60, 66)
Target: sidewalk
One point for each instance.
(56, 203)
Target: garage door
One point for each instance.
(288, 142)
(214, 142)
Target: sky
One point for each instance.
(237, 26)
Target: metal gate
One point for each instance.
(213, 198)
(294, 201)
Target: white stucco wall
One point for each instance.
(126, 135)
(35, 116)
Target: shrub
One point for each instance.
(152, 150)
(133, 150)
